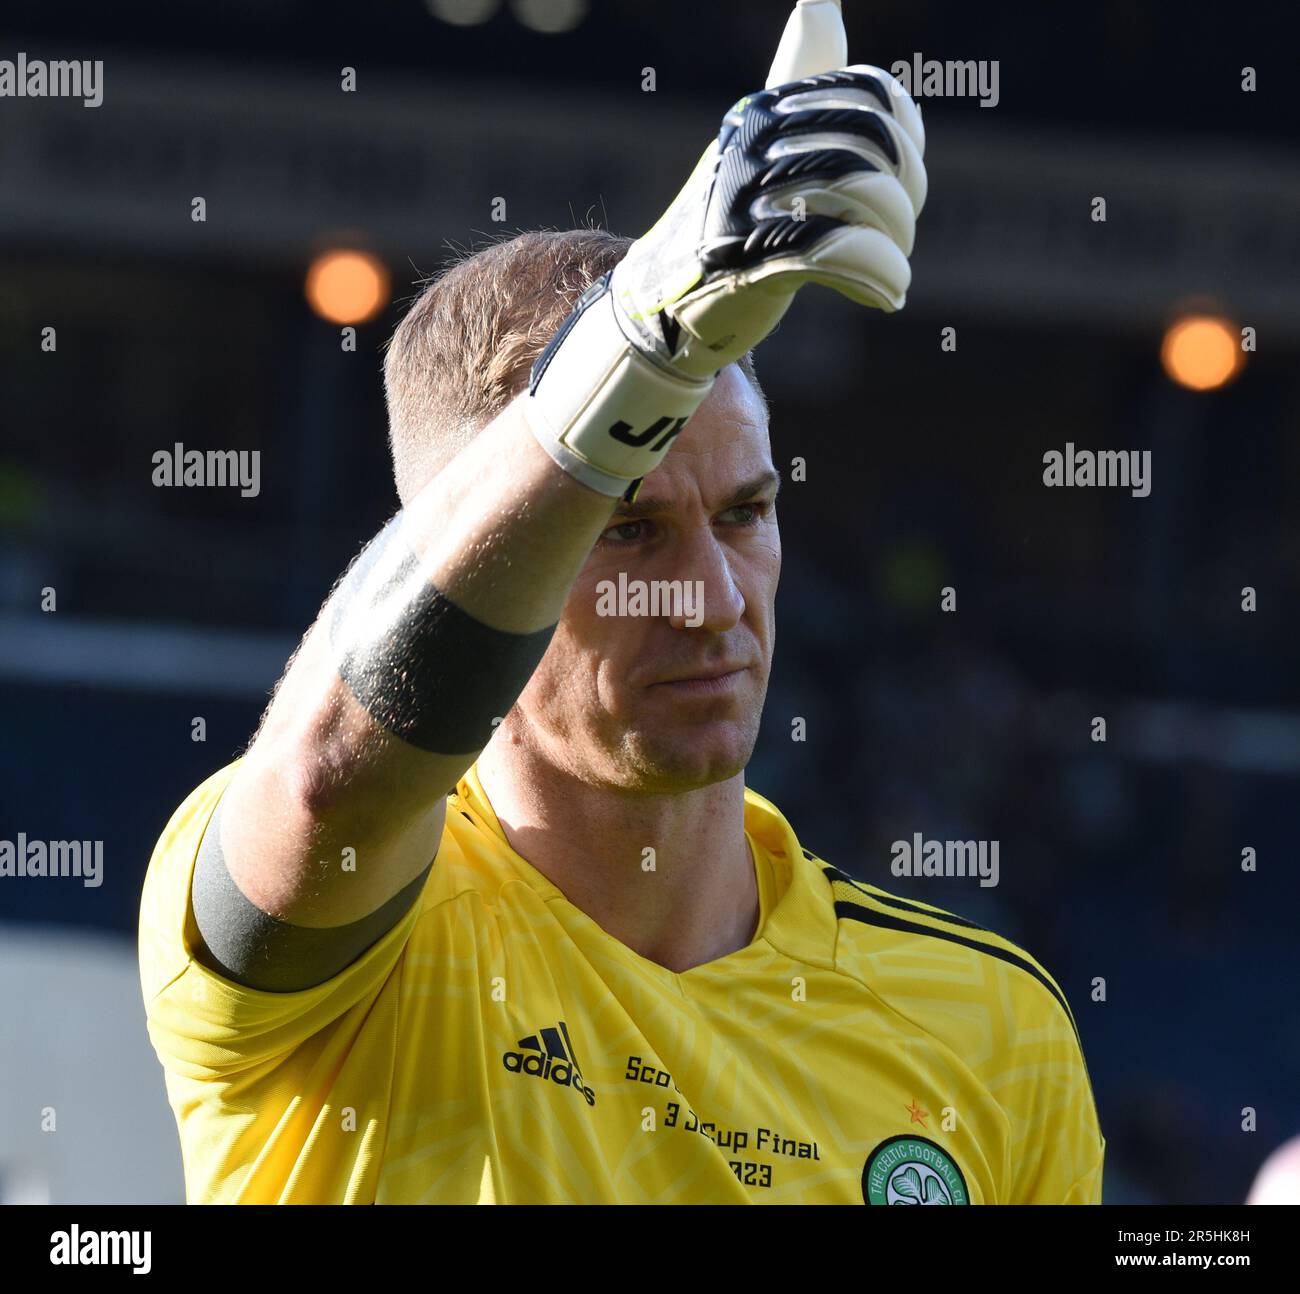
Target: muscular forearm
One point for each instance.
(504, 530)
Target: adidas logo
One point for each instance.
(548, 1054)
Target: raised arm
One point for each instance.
(438, 626)
(432, 633)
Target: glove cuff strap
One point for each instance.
(603, 411)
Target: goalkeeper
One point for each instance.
(486, 911)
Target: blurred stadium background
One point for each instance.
(924, 468)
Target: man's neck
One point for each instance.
(670, 876)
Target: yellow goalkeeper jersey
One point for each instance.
(497, 1046)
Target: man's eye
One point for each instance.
(625, 532)
(746, 514)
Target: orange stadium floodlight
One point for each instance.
(1202, 351)
(347, 286)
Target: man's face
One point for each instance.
(650, 702)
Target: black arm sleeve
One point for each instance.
(246, 945)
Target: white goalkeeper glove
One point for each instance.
(815, 180)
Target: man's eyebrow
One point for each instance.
(651, 506)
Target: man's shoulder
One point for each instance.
(905, 949)
(999, 1014)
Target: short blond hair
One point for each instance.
(466, 347)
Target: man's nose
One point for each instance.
(711, 599)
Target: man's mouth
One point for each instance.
(707, 681)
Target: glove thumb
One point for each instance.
(814, 41)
